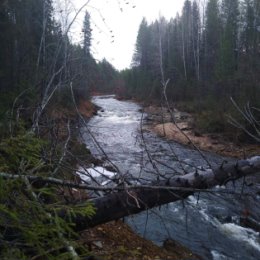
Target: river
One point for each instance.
(208, 224)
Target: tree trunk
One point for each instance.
(134, 200)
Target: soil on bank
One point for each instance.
(159, 120)
(85, 107)
(116, 240)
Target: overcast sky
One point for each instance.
(115, 25)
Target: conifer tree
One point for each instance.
(87, 34)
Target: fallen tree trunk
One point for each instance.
(133, 200)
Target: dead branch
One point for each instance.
(122, 202)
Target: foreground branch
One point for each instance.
(131, 201)
(128, 200)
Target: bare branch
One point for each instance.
(124, 202)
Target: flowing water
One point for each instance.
(208, 224)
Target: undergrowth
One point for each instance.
(30, 224)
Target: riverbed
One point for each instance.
(208, 224)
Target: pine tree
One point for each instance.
(141, 56)
(196, 38)
(186, 30)
(229, 40)
(212, 38)
(174, 61)
(87, 34)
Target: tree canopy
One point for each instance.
(206, 51)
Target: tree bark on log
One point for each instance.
(134, 200)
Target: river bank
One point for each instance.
(159, 120)
(114, 240)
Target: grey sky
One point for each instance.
(115, 25)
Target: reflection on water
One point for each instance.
(209, 225)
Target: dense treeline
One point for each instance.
(209, 53)
(38, 58)
(39, 65)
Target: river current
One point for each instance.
(207, 223)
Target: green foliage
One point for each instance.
(20, 153)
(62, 99)
(30, 224)
(87, 34)
(32, 54)
(207, 60)
(211, 122)
(32, 227)
(107, 77)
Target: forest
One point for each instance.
(208, 54)
(205, 61)
(38, 58)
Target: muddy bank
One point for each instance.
(159, 120)
(116, 240)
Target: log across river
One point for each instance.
(209, 223)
